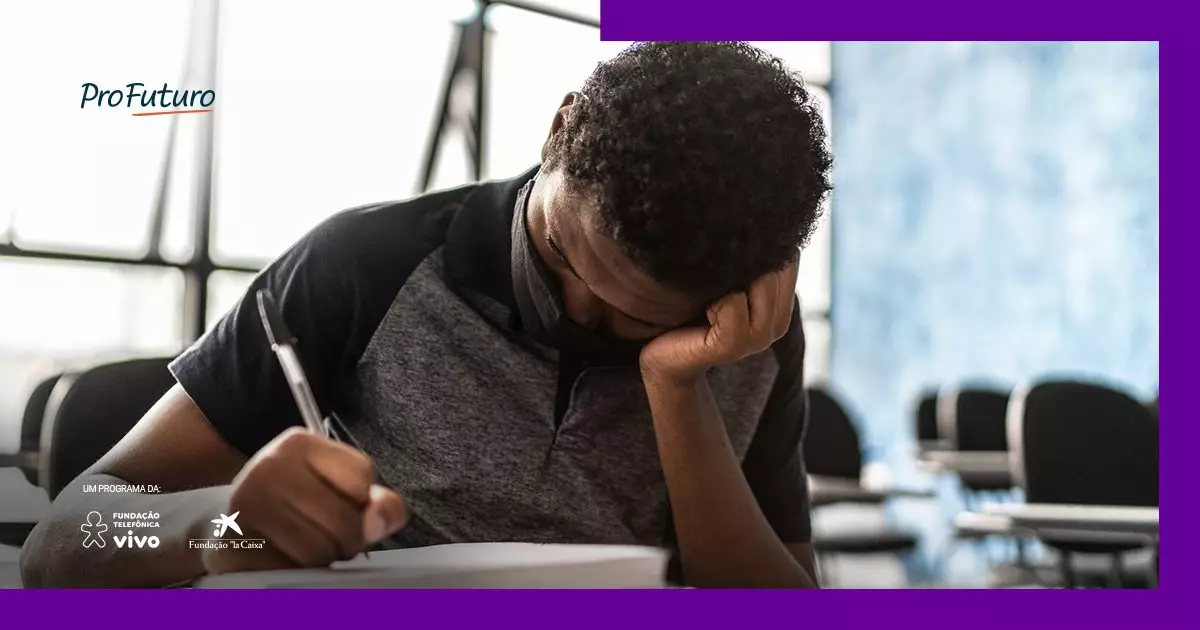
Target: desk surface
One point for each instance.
(826, 490)
(1099, 518)
(968, 461)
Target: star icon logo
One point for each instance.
(225, 523)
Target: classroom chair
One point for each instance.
(1084, 443)
(832, 450)
(89, 412)
(925, 421)
(26, 459)
(973, 420)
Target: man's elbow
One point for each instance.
(51, 558)
(35, 559)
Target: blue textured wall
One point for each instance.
(995, 214)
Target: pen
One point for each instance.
(281, 342)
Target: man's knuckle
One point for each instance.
(294, 441)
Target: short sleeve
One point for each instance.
(774, 463)
(333, 287)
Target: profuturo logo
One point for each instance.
(160, 102)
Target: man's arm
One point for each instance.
(173, 447)
(229, 422)
(730, 516)
(312, 500)
(724, 538)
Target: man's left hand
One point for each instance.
(739, 325)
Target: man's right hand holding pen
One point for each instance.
(313, 500)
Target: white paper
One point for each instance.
(473, 565)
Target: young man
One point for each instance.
(605, 349)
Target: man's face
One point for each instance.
(602, 289)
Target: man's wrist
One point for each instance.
(661, 383)
(677, 402)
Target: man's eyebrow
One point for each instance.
(559, 252)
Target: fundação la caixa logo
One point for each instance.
(135, 96)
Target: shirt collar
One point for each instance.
(478, 249)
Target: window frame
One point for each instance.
(197, 270)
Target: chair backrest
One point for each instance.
(91, 411)
(32, 419)
(925, 416)
(1084, 443)
(831, 444)
(973, 418)
(35, 411)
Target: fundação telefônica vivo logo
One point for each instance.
(149, 103)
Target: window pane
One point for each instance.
(225, 288)
(822, 96)
(84, 178)
(60, 316)
(321, 110)
(810, 59)
(453, 166)
(816, 350)
(812, 283)
(534, 61)
(179, 226)
(6, 217)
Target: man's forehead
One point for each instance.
(592, 247)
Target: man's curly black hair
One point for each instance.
(709, 161)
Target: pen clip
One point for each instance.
(337, 429)
(278, 333)
(281, 343)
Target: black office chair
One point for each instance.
(973, 419)
(832, 449)
(26, 459)
(978, 416)
(831, 444)
(1084, 443)
(925, 420)
(90, 412)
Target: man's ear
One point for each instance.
(560, 119)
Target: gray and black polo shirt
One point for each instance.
(407, 327)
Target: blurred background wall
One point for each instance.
(996, 217)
